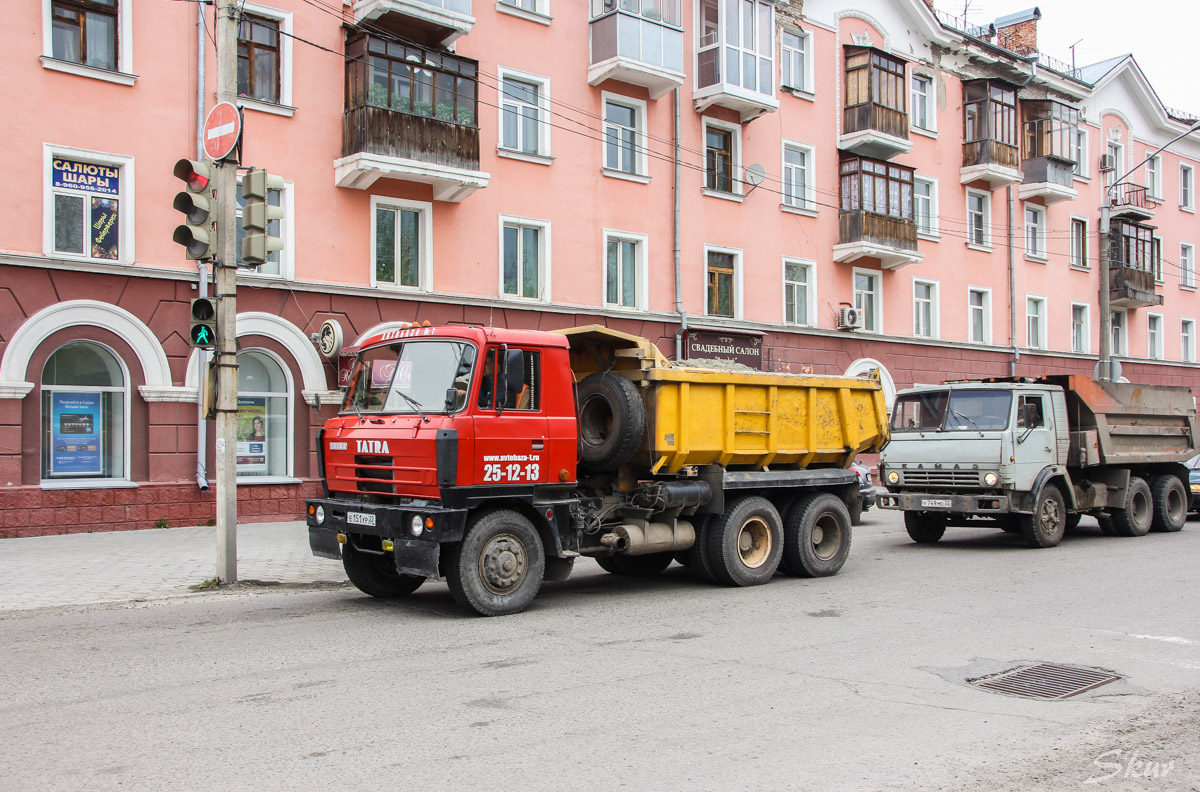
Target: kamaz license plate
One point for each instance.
(935, 503)
(358, 518)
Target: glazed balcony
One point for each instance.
(874, 118)
(1048, 167)
(862, 234)
(991, 161)
(1130, 202)
(637, 42)
(876, 218)
(1135, 256)
(1131, 287)
(435, 21)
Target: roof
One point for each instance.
(1095, 72)
(1019, 17)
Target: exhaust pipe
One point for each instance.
(642, 538)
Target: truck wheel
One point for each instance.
(746, 542)
(497, 568)
(376, 574)
(1073, 521)
(816, 538)
(1045, 527)
(854, 507)
(1170, 504)
(924, 527)
(1105, 521)
(1136, 517)
(612, 421)
(697, 554)
(606, 563)
(647, 565)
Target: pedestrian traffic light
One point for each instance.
(203, 331)
(199, 206)
(257, 215)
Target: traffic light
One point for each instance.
(203, 331)
(199, 206)
(257, 215)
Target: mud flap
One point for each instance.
(417, 558)
(558, 569)
(324, 543)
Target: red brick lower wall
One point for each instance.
(33, 511)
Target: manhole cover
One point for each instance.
(1046, 681)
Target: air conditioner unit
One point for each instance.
(1107, 163)
(849, 318)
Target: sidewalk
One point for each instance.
(118, 566)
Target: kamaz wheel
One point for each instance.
(1170, 504)
(746, 542)
(376, 574)
(816, 536)
(1045, 527)
(1135, 519)
(612, 421)
(925, 527)
(497, 568)
(647, 565)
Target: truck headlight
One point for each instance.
(990, 479)
(893, 477)
(417, 525)
(319, 515)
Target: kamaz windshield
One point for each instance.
(952, 411)
(411, 377)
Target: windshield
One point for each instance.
(411, 377)
(951, 411)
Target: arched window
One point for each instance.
(84, 414)
(264, 416)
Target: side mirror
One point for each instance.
(451, 399)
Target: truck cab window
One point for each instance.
(1030, 415)
(519, 382)
(410, 377)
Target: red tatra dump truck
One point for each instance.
(492, 458)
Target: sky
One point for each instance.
(1161, 34)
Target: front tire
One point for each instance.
(746, 543)
(376, 574)
(1135, 519)
(924, 527)
(497, 568)
(1046, 526)
(1170, 499)
(816, 537)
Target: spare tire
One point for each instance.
(612, 421)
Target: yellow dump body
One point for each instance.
(739, 419)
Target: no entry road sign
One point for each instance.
(222, 129)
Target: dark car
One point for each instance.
(1194, 483)
(866, 491)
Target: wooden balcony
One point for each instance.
(998, 164)
(868, 235)
(1130, 287)
(873, 130)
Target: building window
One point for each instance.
(868, 299)
(275, 228)
(1079, 150)
(925, 309)
(798, 189)
(1186, 193)
(89, 206)
(926, 206)
(1154, 340)
(522, 123)
(85, 413)
(524, 254)
(532, 6)
(263, 416)
(1154, 177)
(1035, 322)
(258, 58)
(400, 243)
(1080, 332)
(624, 136)
(990, 112)
(1079, 243)
(720, 159)
(722, 297)
(878, 187)
(978, 219)
(979, 307)
(406, 79)
(624, 269)
(799, 292)
(1118, 332)
(1116, 154)
(924, 103)
(1156, 262)
(1187, 266)
(1187, 341)
(795, 65)
(85, 32)
(1035, 231)
(737, 45)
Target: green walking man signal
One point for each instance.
(203, 331)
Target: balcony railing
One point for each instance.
(991, 152)
(375, 130)
(636, 49)
(876, 229)
(876, 117)
(1132, 287)
(1131, 201)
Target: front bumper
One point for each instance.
(955, 504)
(370, 523)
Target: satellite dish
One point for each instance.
(755, 174)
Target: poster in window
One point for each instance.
(252, 434)
(75, 434)
(105, 229)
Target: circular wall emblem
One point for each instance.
(329, 341)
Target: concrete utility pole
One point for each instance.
(226, 291)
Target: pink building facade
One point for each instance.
(834, 187)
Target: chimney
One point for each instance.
(1018, 32)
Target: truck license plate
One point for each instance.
(358, 518)
(935, 503)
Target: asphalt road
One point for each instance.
(855, 682)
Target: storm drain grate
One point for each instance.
(1046, 681)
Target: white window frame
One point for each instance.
(808, 202)
(1154, 336)
(805, 59)
(122, 76)
(1157, 264)
(934, 309)
(1035, 233)
(1080, 143)
(1187, 188)
(738, 278)
(544, 248)
(284, 18)
(289, 410)
(1187, 340)
(539, 13)
(1041, 302)
(1154, 178)
(930, 97)
(641, 166)
(287, 255)
(1187, 266)
(1116, 150)
(810, 289)
(986, 307)
(642, 276)
(126, 207)
(1085, 337)
(877, 290)
(543, 154)
(986, 245)
(735, 157)
(1079, 263)
(934, 232)
(1120, 329)
(425, 256)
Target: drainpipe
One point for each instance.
(201, 267)
(679, 355)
